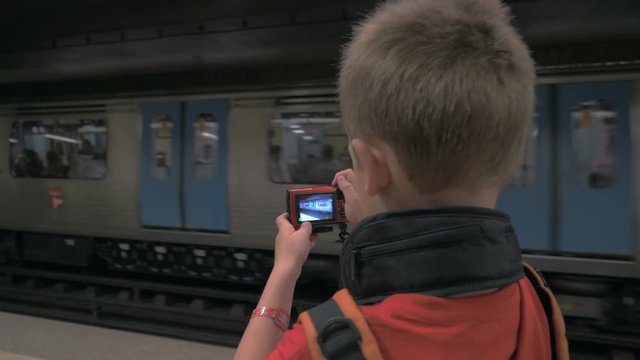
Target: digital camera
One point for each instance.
(322, 206)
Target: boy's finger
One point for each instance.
(346, 187)
(346, 173)
(283, 224)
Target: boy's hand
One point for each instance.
(345, 180)
(292, 246)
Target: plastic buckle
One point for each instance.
(339, 336)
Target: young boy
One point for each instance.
(437, 99)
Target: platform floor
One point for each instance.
(31, 338)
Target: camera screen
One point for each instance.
(315, 207)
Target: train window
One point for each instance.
(307, 147)
(59, 148)
(593, 143)
(523, 175)
(206, 146)
(162, 152)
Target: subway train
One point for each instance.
(188, 187)
(316, 207)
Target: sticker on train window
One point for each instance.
(205, 150)
(162, 146)
(307, 147)
(593, 143)
(524, 173)
(63, 148)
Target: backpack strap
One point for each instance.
(557, 330)
(337, 329)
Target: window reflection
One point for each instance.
(593, 142)
(162, 146)
(307, 147)
(67, 148)
(206, 146)
(524, 173)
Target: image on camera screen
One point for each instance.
(315, 207)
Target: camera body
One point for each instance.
(322, 206)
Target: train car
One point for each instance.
(188, 188)
(187, 174)
(316, 207)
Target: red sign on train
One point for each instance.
(55, 198)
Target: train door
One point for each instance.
(160, 165)
(595, 177)
(528, 198)
(183, 169)
(205, 167)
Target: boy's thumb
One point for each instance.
(306, 228)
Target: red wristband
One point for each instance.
(279, 316)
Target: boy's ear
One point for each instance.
(372, 164)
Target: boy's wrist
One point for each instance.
(290, 272)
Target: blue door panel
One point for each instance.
(205, 165)
(596, 219)
(160, 165)
(530, 205)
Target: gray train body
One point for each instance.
(109, 207)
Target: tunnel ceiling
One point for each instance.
(44, 19)
(25, 21)
(75, 40)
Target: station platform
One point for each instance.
(32, 338)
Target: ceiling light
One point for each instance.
(61, 138)
(209, 135)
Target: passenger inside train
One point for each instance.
(437, 99)
(59, 149)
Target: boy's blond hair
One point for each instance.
(448, 84)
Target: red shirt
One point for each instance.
(507, 324)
